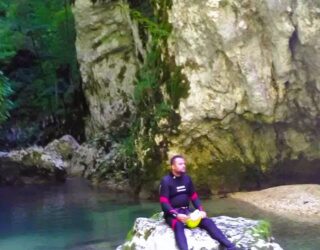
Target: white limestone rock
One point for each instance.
(252, 69)
(108, 63)
(38, 164)
(155, 234)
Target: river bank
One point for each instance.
(296, 202)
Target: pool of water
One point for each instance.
(74, 216)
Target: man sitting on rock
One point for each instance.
(176, 190)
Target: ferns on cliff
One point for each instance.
(157, 75)
(157, 30)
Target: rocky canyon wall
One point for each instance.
(252, 69)
(254, 82)
(106, 53)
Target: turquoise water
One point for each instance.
(77, 217)
(69, 216)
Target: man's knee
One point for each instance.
(206, 222)
(175, 224)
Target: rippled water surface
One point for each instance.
(77, 217)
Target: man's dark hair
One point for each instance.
(173, 158)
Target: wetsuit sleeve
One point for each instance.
(193, 196)
(164, 199)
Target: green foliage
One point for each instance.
(46, 81)
(157, 30)
(157, 216)
(162, 110)
(148, 77)
(10, 39)
(5, 92)
(177, 86)
(130, 235)
(157, 74)
(262, 230)
(127, 147)
(156, 71)
(7, 45)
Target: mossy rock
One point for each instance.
(157, 216)
(262, 230)
(33, 158)
(65, 150)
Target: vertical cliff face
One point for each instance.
(252, 71)
(254, 84)
(108, 63)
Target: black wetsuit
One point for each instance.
(175, 196)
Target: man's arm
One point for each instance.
(193, 196)
(164, 199)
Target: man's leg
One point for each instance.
(216, 233)
(178, 229)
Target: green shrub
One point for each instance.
(5, 103)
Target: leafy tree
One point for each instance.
(10, 40)
(5, 103)
(37, 54)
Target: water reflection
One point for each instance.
(77, 217)
(68, 216)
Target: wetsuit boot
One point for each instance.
(232, 248)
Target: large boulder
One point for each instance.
(155, 234)
(84, 160)
(65, 147)
(102, 163)
(37, 164)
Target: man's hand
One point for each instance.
(203, 214)
(182, 217)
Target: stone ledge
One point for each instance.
(154, 234)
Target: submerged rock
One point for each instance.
(155, 234)
(99, 244)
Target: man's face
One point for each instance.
(179, 166)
